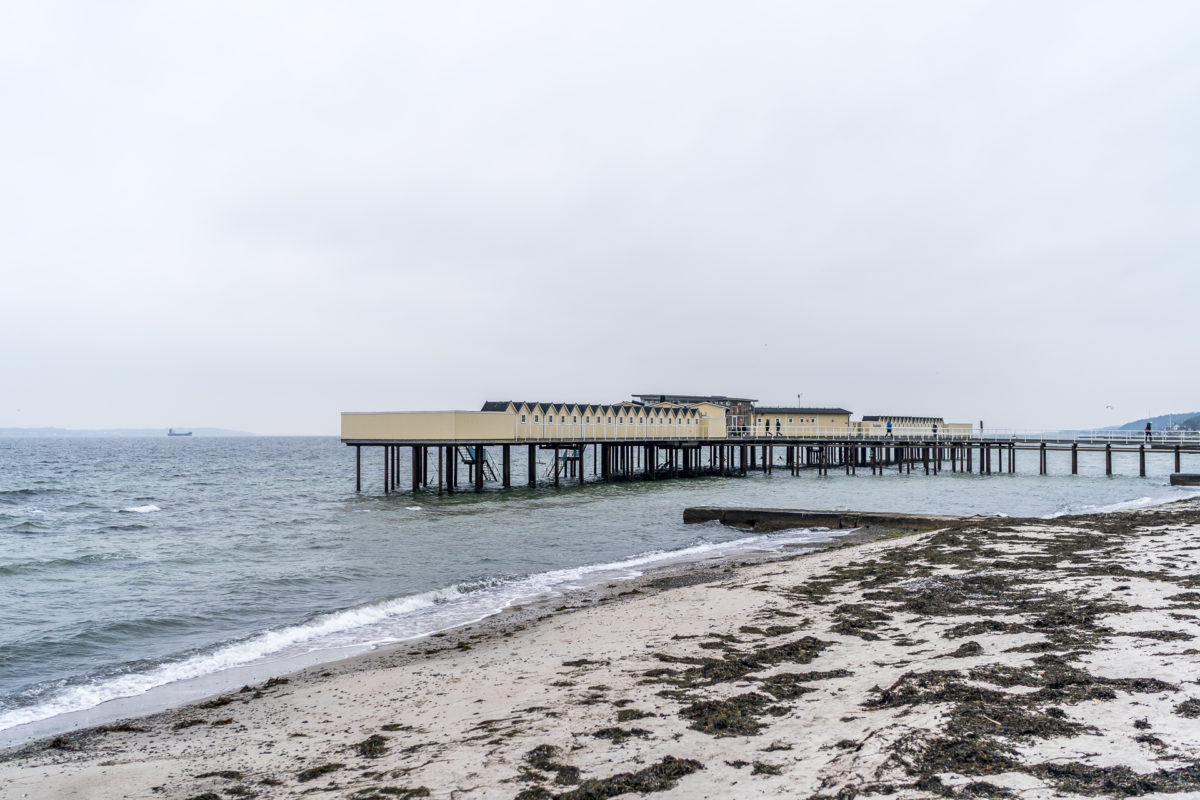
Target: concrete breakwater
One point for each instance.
(778, 519)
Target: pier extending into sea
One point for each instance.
(450, 465)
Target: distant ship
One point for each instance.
(173, 432)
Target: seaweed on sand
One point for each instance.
(373, 746)
(735, 665)
(313, 773)
(655, 778)
(736, 716)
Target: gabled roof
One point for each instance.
(893, 417)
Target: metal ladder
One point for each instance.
(467, 454)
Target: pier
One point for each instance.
(449, 451)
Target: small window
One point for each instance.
(522, 419)
(574, 420)
(587, 420)
(562, 417)
(789, 420)
(610, 420)
(535, 418)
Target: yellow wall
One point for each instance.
(430, 425)
(800, 425)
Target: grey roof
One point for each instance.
(717, 399)
(786, 410)
(886, 417)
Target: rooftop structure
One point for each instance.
(690, 399)
(799, 411)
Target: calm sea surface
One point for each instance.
(132, 567)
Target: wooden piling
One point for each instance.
(358, 466)
(1108, 459)
(416, 468)
(386, 457)
(1141, 461)
(507, 466)
(1074, 458)
(1177, 467)
(531, 467)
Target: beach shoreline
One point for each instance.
(677, 678)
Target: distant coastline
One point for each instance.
(81, 433)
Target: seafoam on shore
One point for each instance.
(997, 657)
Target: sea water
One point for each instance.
(167, 568)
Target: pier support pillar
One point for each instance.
(1042, 459)
(1141, 461)
(1108, 459)
(387, 455)
(358, 466)
(507, 466)
(532, 466)
(742, 459)
(1177, 469)
(416, 468)
(440, 454)
(1074, 458)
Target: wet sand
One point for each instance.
(992, 658)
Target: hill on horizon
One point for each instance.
(1188, 421)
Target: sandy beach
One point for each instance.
(994, 658)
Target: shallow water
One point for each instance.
(130, 564)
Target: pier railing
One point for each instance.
(676, 433)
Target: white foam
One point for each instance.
(80, 698)
(412, 508)
(141, 509)
(1169, 496)
(392, 620)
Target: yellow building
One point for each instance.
(796, 422)
(876, 425)
(522, 421)
(657, 417)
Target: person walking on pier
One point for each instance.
(889, 432)
(935, 430)
(777, 429)
(1147, 431)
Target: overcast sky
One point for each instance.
(256, 215)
